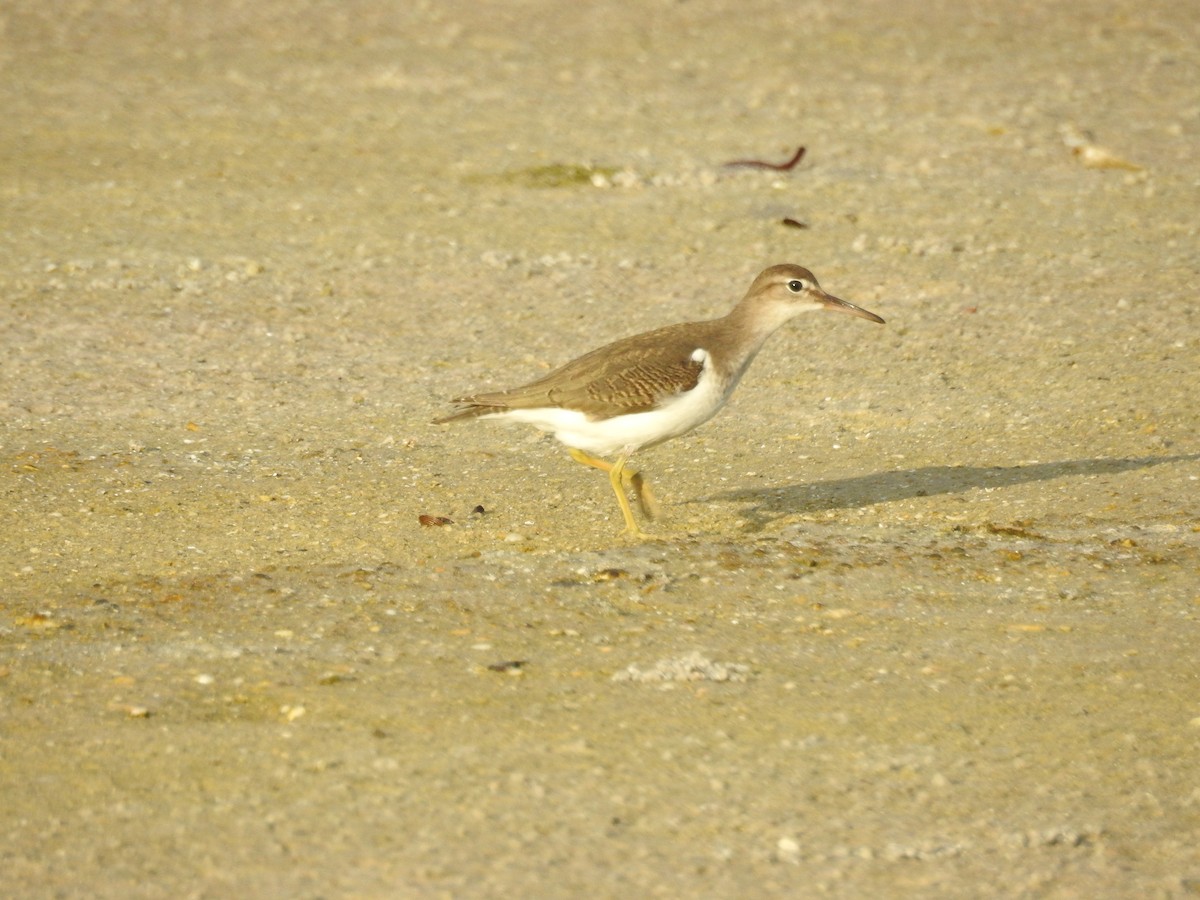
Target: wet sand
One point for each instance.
(924, 618)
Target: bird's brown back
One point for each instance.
(632, 375)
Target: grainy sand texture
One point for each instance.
(925, 615)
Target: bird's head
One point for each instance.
(789, 290)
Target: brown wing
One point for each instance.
(632, 375)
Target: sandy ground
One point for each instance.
(925, 618)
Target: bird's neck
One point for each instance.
(747, 328)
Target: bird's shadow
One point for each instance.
(771, 503)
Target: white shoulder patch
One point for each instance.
(700, 355)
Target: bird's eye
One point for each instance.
(796, 286)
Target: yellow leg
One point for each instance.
(645, 497)
(619, 477)
(615, 479)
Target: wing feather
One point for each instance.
(630, 376)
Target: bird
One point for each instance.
(648, 388)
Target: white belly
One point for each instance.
(625, 434)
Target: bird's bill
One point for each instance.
(832, 303)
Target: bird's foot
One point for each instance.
(637, 534)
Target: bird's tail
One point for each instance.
(468, 410)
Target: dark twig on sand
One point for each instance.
(760, 164)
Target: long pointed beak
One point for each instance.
(833, 304)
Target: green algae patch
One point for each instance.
(557, 175)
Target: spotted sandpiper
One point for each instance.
(649, 388)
